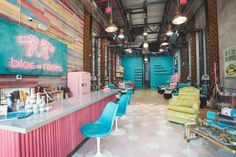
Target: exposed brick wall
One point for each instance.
(184, 65)
(112, 64)
(213, 50)
(103, 68)
(87, 43)
(192, 43)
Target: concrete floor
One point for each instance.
(149, 134)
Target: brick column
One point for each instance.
(184, 65)
(212, 27)
(192, 44)
(103, 68)
(87, 43)
(112, 64)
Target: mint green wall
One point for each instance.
(133, 70)
(161, 69)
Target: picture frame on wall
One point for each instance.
(230, 62)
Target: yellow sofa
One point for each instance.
(185, 106)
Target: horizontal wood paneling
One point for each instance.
(65, 22)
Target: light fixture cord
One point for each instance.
(178, 7)
(111, 12)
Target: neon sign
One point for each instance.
(35, 47)
(28, 65)
(28, 52)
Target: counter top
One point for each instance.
(60, 109)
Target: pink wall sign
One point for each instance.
(35, 47)
(28, 52)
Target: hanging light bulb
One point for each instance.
(169, 31)
(179, 18)
(164, 41)
(111, 27)
(145, 33)
(145, 44)
(161, 50)
(145, 59)
(121, 34)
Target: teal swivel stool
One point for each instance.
(122, 105)
(100, 128)
(129, 92)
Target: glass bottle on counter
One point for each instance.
(9, 102)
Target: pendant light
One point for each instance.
(145, 45)
(111, 28)
(179, 18)
(161, 50)
(121, 34)
(164, 41)
(169, 31)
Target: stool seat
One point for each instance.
(100, 128)
(95, 130)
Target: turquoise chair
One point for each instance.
(122, 105)
(129, 92)
(101, 128)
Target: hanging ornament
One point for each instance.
(182, 2)
(108, 8)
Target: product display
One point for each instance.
(218, 133)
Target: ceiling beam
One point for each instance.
(165, 12)
(141, 25)
(137, 6)
(124, 13)
(139, 12)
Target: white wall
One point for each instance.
(226, 10)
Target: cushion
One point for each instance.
(182, 109)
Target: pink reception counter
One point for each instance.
(55, 133)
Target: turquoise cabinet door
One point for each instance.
(161, 69)
(133, 70)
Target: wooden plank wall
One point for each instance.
(65, 22)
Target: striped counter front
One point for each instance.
(52, 134)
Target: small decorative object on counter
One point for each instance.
(9, 102)
(3, 110)
(36, 104)
(106, 89)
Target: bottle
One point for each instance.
(9, 103)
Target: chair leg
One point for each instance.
(98, 153)
(117, 131)
(116, 123)
(98, 147)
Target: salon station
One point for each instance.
(117, 78)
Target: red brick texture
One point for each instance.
(103, 68)
(192, 44)
(213, 50)
(112, 64)
(87, 42)
(184, 65)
